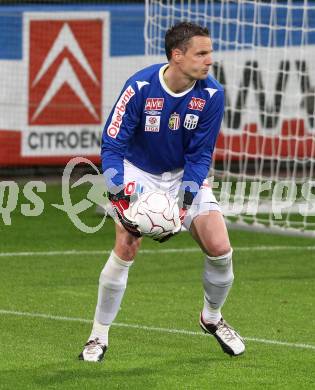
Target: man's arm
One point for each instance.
(118, 130)
(198, 155)
(117, 133)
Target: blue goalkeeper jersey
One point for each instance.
(158, 130)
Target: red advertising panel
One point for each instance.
(63, 82)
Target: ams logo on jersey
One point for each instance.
(196, 104)
(154, 104)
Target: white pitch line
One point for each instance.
(151, 328)
(74, 252)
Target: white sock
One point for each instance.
(99, 331)
(210, 315)
(217, 281)
(112, 285)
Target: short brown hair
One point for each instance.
(178, 36)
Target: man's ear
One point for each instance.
(177, 55)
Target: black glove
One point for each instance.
(120, 203)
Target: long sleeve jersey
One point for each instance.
(158, 130)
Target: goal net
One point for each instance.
(264, 54)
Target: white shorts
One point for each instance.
(139, 181)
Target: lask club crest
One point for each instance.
(174, 121)
(191, 121)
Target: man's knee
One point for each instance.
(217, 249)
(211, 234)
(115, 273)
(219, 270)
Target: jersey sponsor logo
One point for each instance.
(152, 123)
(130, 188)
(152, 112)
(196, 104)
(154, 104)
(65, 71)
(120, 109)
(191, 121)
(133, 188)
(174, 121)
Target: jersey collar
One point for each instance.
(165, 87)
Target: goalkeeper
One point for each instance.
(161, 134)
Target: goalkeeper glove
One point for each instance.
(188, 199)
(120, 203)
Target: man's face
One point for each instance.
(197, 59)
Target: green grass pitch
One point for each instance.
(47, 302)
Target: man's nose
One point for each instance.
(208, 60)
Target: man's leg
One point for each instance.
(211, 234)
(112, 285)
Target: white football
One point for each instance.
(156, 213)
